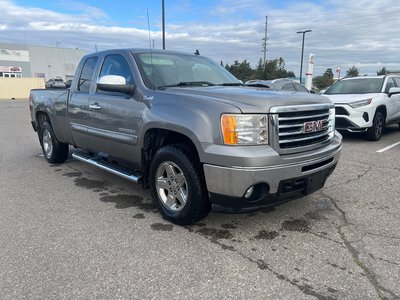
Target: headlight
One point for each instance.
(360, 103)
(244, 129)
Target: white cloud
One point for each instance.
(345, 33)
(89, 10)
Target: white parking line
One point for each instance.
(388, 147)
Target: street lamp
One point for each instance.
(163, 25)
(302, 51)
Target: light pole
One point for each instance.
(302, 51)
(163, 25)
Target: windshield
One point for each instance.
(161, 70)
(356, 86)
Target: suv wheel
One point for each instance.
(375, 132)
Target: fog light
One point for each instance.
(249, 192)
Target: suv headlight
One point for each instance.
(360, 103)
(244, 129)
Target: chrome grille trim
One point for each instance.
(304, 117)
(287, 123)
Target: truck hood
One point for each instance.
(250, 100)
(347, 98)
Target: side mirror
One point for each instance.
(114, 83)
(394, 90)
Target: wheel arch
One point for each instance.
(383, 110)
(41, 117)
(154, 139)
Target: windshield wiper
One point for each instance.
(231, 84)
(188, 83)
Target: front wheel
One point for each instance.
(177, 185)
(54, 151)
(375, 132)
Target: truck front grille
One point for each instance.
(302, 128)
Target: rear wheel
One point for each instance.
(177, 185)
(54, 151)
(375, 132)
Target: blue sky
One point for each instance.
(344, 33)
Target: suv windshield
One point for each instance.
(356, 86)
(161, 70)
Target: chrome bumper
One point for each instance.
(235, 181)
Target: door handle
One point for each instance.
(95, 106)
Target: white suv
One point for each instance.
(367, 103)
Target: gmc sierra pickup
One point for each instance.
(186, 128)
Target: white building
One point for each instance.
(38, 61)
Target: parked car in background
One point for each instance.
(366, 104)
(283, 84)
(55, 83)
(68, 83)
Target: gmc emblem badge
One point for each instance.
(312, 126)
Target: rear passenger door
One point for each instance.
(114, 117)
(392, 102)
(397, 96)
(79, 102)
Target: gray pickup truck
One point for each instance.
(184, 127)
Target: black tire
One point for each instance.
(183, 164)
(54, 151)
(375, 132)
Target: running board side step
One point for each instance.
(107, 166)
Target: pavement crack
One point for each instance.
(359, 176)
(325, 238)
(378, 166)
(261, 264)
(380, 290)
(383, 236)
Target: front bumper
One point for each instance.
(289, 189)
(353, 119)
(272, 184)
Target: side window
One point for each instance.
(289, 87)
(86, 76)
(301, 88)
(397, 81)
(389, 84)
(116, 65)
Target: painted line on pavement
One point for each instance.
(388, 147)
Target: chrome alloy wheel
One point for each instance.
(171, 186)
(47, 143)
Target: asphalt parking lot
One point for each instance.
(73, 231)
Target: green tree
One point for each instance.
(352, 72)
(241, 70)
(271, 70)
(382, 71)
(325, 80)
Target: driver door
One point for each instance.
(114, 117)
